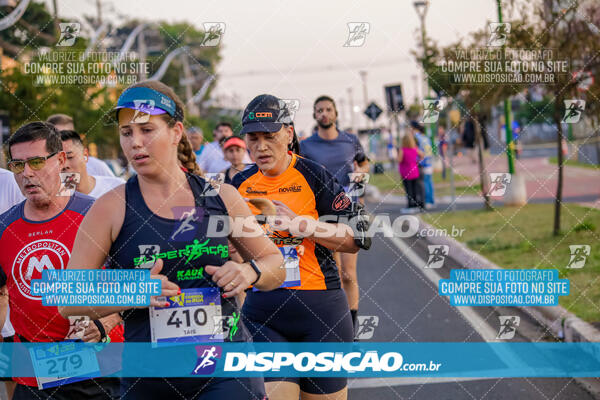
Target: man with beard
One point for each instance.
(341, 153)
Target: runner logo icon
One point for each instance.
(215, 180)
(288, 108)
(498, 33)
(213, 32)
(357, 33)
(431, 111)
(207, 359)
(358, 182)
(68, 33)
(68, 183)
(148, 252)
(188, 217)
(579, 254)
(366, 326)
(499, 183)
(508, 327)
(573, 110)
(142, 109)
(437, 255)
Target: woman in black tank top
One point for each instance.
(160, 220)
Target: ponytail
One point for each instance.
(186, 156)
(294, 147)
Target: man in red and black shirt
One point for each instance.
(38, 234)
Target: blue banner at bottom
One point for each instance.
(68, 359)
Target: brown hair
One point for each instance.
(185, 154)
(187, 157)
(408, 141)
(59, 119)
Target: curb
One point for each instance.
(556, 319)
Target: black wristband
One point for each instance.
(100, 329)
(256, 269)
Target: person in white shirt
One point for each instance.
(94, 186)
(98, 167)
(212, 159)
(10, 194)
(95, 167)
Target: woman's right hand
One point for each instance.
(168, 288)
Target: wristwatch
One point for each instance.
(256, 269)
(103, 336)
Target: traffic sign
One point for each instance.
(585, 80)
(373, 111)
(393, 97)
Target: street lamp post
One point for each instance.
(351, 102)
(421, 6)
(507, 114)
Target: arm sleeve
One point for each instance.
(330, 197)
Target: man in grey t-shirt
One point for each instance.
(341, 153)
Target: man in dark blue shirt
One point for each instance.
(342, 154)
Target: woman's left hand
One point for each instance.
(232, 276)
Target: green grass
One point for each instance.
(437, 178)
(526, 241)
(390, 182)
(574, 163)
(387, 182)
(459, 190)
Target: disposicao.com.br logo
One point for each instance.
(370, 361)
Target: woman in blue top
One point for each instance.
(159, 219)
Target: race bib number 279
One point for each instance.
(60, 363)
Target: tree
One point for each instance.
(569, 28)
(475, 98)
(34, 29)
(26, 99)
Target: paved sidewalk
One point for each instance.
(541, 177)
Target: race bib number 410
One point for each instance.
(193, 316)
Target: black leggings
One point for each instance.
(411, 186)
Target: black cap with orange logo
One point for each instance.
(265, 113)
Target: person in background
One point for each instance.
(342, 154)
(196, 139)
(425, 164)
(234, 149)
(212, 159)
(77, 158)
(468, 139)
(443, 148)
(408, 159)
(95, 166)
(10, 195)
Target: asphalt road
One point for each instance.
(396, 289)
